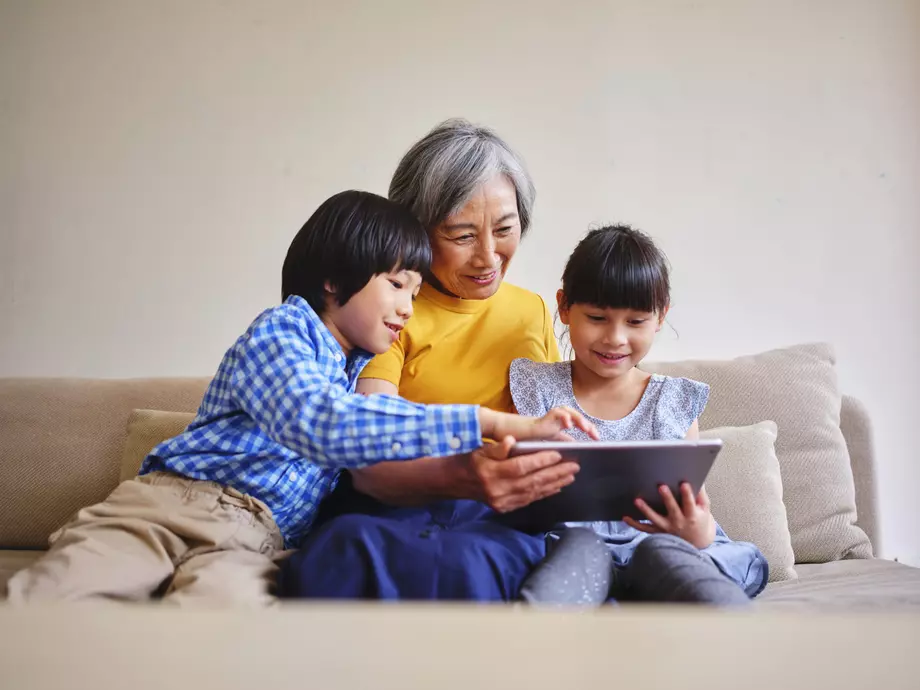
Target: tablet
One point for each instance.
(612, 476)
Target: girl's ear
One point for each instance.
(329, 288)
(563, 307)
(661, 317)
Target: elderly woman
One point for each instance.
(475, 197)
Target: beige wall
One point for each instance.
(157, 157)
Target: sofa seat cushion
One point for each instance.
(859, 584)
(12, 562)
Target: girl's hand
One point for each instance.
(692, 522)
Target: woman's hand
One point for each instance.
(551, 426)
(505, 483)
(487, 475)
(692, 522)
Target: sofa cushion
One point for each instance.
(853, 585)
(746, 492)
(856, 425)
(62, 443)
(797, 388)
(146, 430)
(11, 562)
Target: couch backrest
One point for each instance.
(61, 443)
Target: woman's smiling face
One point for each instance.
(472, 248)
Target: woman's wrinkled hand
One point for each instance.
(505, 483)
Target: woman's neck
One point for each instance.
(436, 284)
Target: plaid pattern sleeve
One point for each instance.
(280, 381)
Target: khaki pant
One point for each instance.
(160, 534)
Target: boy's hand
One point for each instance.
(554, 423)
(550, 426)
(692, 522)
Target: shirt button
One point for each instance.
(396, 447)
(292, 476)
(338, 357)
(454, 443)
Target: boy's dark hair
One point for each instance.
(617, 267)
(349, 239)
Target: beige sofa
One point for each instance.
(797, 475)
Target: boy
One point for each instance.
(213, 508)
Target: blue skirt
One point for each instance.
(449, 550)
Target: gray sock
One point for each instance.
(577, 571)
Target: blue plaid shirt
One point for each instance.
(281, 419)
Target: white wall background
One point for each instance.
(157, 157)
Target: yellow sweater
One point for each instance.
(459, 351)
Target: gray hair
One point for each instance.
(439, 174)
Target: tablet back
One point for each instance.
(612, 476)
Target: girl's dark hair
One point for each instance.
(349, 239)
(617, 267)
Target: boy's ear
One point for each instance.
(661, 317)
(563, 307)
(329, 297)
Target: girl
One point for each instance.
(614, 298)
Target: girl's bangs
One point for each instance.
(621, 280)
